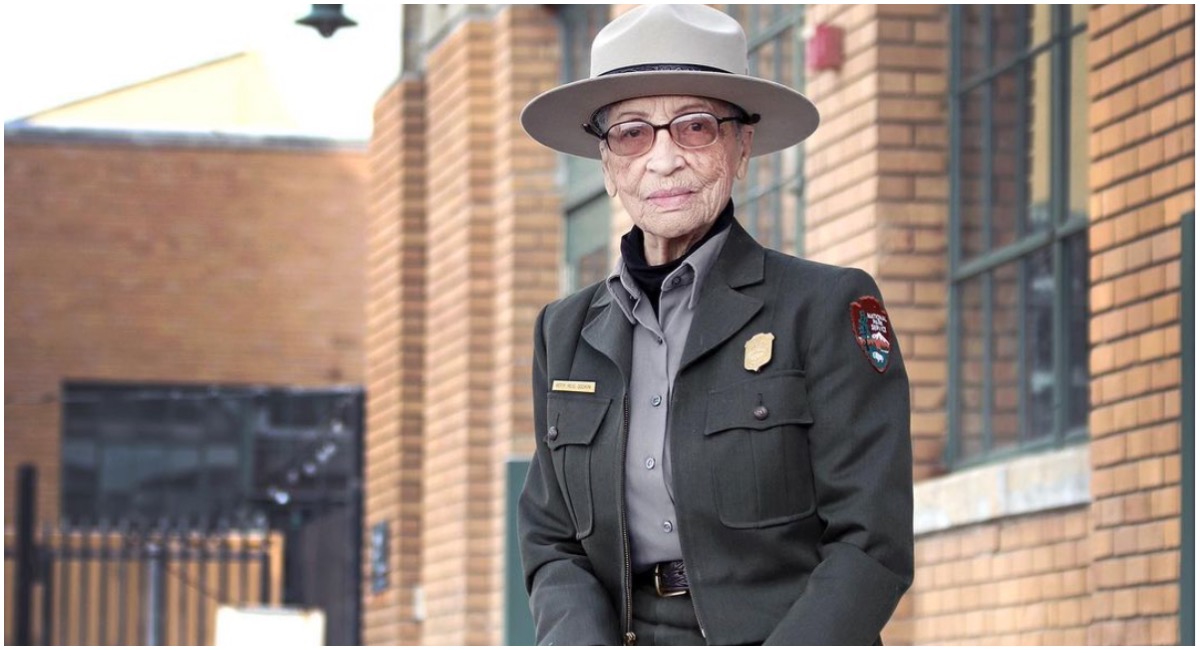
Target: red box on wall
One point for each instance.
(824, 48)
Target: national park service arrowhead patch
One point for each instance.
(872, 330)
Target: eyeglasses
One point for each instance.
(690, 131)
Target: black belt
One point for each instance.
(669, 579)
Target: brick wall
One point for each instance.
(1142, 128)
(395, 359)
(877, 185)
(528, 244)
(877, 197)
(185, 259)
(475, 225)
(459, 551)
(1016, 581)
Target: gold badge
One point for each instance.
(758, 351)
(574, 386)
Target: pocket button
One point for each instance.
(761, 413)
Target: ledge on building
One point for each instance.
(25, 132)
(1021, 486)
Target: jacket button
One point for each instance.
(761, 413)
(552, 434)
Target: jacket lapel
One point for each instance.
(609, 331)
(722, 310)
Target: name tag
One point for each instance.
(574, 386)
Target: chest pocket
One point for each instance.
(756, 433)
(572, 423)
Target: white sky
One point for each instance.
(58, 51)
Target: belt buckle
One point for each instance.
(658, 586)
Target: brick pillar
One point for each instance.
(528, 218)
(1142, 172)
(877, 190)
(395, 342)
(877, 184)
(460, 562)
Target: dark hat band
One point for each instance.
(664, 67)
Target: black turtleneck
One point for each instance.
(650, 278)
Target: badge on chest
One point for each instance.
(758, 351)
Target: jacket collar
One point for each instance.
(721, 311)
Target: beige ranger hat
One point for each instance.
(669, 50)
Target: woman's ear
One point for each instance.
(743, 166)
(610, 187)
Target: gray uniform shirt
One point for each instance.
(657, 349)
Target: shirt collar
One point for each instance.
(625, 292)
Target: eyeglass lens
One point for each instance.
(689, 131)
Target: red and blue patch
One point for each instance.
(873, 331)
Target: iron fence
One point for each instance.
(131, 582)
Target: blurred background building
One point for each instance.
(195, 320)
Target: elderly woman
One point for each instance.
(723, 449)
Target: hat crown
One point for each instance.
(693, 35)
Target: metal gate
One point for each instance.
(131, 583)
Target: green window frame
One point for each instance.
(1018, 379)
(770, 202)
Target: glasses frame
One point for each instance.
(743, 119)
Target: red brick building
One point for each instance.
(164, 258)
(1015, 178)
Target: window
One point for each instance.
(588, 212)
(150, 451)
(1018, 260)
(770, 202)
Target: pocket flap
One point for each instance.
(759, 403)
(576, 418)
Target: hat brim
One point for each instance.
(555, 117)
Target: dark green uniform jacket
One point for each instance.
(792, 484)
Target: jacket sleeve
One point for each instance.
(862, 464)
(569, 605)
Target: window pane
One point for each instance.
(580, 23)
(587, 241)
(1039, 296)
(973, 55)
(1006, 350)
(147, 460)
(1010, 32)
(1009, 177)
(772, 215)
(973, 206)
(1078, 155)
(971, 351)
(1040, 24)
(1076, 261)
(1039, 135)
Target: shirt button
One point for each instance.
(656, 400)
(668, 526)
(659, 339)
(650, 462)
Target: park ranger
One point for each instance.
(723, 450)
